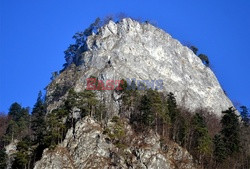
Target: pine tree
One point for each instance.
(77, 48)
(71, 99)
(129, 96)
(11, 132)
(245, 115)
(23, 155)
(101, 112)
(219, 150)
(194, 49)
(156, 106)
(3, 158)
(204, 59)
(147, 116)
(88, 102)
(245, 137)
(182, 130)
(165, 118)
(173, 114)
(53, 134)
(15, 111)
(172, 107)
(71, 102)
(93, 27)
(202, 142)
(38, 119)
(19, 124)
(231, 131)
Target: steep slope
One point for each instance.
(130, 49)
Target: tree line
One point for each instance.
(213, 143)
(38, 130)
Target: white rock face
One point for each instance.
(10, 151)
(130, 49)
(88, 147)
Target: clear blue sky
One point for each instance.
(34, 34)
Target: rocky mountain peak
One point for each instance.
(140, 51)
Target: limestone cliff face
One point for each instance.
(130, 49)
(89, 147)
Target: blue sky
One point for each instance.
(34, 34)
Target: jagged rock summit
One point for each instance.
(129, 49)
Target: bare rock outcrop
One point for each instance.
(89, 147)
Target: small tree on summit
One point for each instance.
(194, 49)
(204, 59)
(78, 47)
(92, 28)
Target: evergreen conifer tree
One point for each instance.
(219, 151)
(245, 115)
(231, 131)
(38, 119)
(3, 158)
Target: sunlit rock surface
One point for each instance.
(130, 49)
